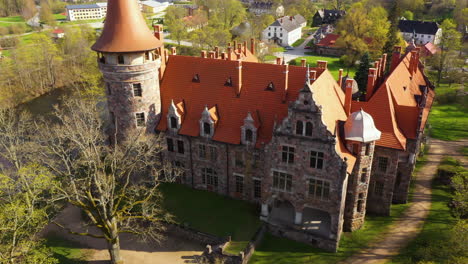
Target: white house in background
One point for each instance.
(154, 6)
(421, 31)
(86, 12)
(285, 30)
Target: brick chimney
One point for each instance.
(414, 61)
(158, 32)
(252, 46)
(174, 51)
(384, 66)
(211, 54)
(348, 96)
(216, 49)
(223, 56)
(313, 76)
(303, 62)
(371, 80)
(377, 67)
(340, 77)
(203, 53)
(239, 77)
(286, 81)
(322, 64)
(229, 53)
(395, 58)
(244, 48)
(278, 61)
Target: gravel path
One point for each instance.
(409, 225)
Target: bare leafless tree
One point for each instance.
(114, 185)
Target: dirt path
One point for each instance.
(173, 250)
(409, 225)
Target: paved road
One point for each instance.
(297, 52)
(409, 225)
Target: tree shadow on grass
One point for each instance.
(65, 251)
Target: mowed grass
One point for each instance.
(212, 213)
(435, 232)
(12, 19)
(284, 251)
(59, 17)
(334, 64)
(449, 114)
(67, 252)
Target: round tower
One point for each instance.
(129, 57)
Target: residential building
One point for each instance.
(285, 30)
(58, 33)
(327, 16)
(421, 32)
(326, 46)
(153, 6)
(259, 8)
(86, 11)
(286, 137)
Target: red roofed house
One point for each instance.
(286, 137)
(58, 33)
(326, 46)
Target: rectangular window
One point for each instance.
(239, 159)
(137, 91)
(364, 175)
(288, 154)
(316, 160)
(178, 169)
(257, 189)
(383, 163)
(213, 153)
(378, 188)
(282, 181)
(319, 189)
(180, 146)
(367, 149)
(140, 119)
(209, 177)
(239, 184)
(202, 151)
(170, 144)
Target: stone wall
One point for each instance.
(195, 235)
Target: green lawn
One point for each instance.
(59, 17)
(212, 213)
(269, 57)
(80, 21)
(334, 64)
(67, 252)
(448, 117)
(298, 42)
(12, 19)
(429, 244)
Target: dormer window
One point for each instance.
(228, 82)
(120, 59)
(270, 87)
(206, 128)
(249, 131)
(299, 128)
(174, 123)
(196, 78)
(308, 130)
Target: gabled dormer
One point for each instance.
(208, 121)
(175, 116)
(249, 131)
(305, 101)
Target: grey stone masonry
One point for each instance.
(132, 88)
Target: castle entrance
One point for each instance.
(282, 213)
(316, 222)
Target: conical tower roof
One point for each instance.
(125, 29)
(360, 127)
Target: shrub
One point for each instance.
(4, 31)
(17, 28)
(9, 42)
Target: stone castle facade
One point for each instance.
(288, 138)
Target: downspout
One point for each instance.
(191, 160)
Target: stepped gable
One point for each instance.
(265, 105)
(125, 29)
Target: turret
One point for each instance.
(360, 135)
(129, 56)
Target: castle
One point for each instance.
(289, 138)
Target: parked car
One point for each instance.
(307, 47)
(289, 48)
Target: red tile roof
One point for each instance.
(328, 41)
(395, 105)
(266, 107)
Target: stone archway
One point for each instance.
(282, 212)
(316, 221)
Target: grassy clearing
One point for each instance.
(67, 252)
(448, 118)
(77, 22)
(334, 64)
(212, 213)
(284, 251)
(269, 58)
(434, 233)
(12, 19)
(59, 17)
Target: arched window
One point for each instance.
(173, 122)
(207, 129)
(299, 128)
(308, 131)
(248, 135)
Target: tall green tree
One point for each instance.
(363, 72)
(46, 13)
(393, 32)
(450, 41)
